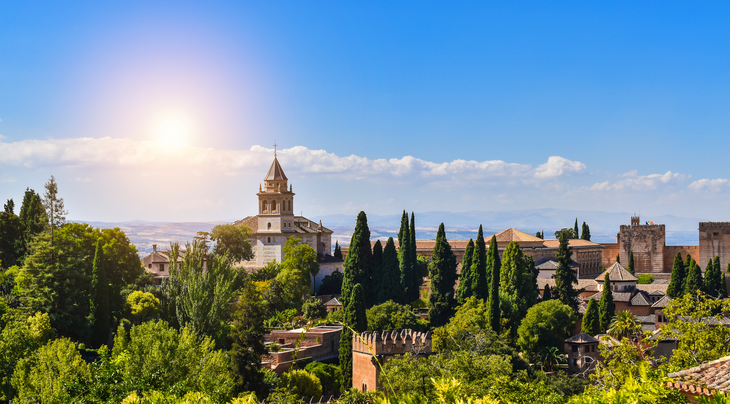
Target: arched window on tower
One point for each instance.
(273, 206)
(269, 226)
(289, 205)
(264, 206)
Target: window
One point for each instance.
(162, 267)
(264, 206)
(364, 387)
(269, 226)
(149, 266)
(575, 348)
(269, 239)
(273, 206)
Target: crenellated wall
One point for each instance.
(371, 350)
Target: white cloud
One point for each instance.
(557, 166)
(84, 179)
(635, 182)
(108, 152)
(2, 137)
(705, 184)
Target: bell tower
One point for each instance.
(276, 201)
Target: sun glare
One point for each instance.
(172, 131)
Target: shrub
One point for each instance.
(314, 309)
(645, 279)
(301, 383)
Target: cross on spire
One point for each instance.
(275, 148)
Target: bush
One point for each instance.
(335, 316)
(314, 309)
(391, 316)
(645, 279)
(545, 325)
(331, 284)
(328, 375)
(301, 383)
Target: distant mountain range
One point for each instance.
(459, 225)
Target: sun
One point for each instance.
(173, 131)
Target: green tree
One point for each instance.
(18, 340)
(606, 308)
(694, 278)
(338, 250)
(389, 285)
(33, 216)
(101, 320)
(11, 237)
(355, 320)
(442, 272)
(417, 276)
(464, 291)
(376, 271)
(301, 383)
(314, 309)
(565, 276)
(547, 294)
(630, 267)
(331, 284)
(576, 234)
(357, 262)
(676, 283)
(494, 268)
(407, 263)
(154, 356)
(720, 281)
(299, 263)
(591, 323)
(714, 279)
(479, 280)
(247, 341)
(391, 316)
(624, 325)
(586, 233)
(329, 375)
(232, 241)
(540, 234)
(201, 289)
(142, 306)
(54, 206)
(44, 375)
(545, 325)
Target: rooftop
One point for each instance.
(617, 273)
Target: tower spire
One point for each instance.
(275, 148)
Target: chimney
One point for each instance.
(154, 247)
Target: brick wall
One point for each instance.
(366, 347)
(610, 251)
(671, 251)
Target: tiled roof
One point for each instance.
(333, 302)
(511, 234)
(607, 340)
(661, 302)
(704, 379)
(552, 265)
(653, 288)
(588, 285)
(656, 292)
(276, 173)
(640, 299)
(624, 297)
(581, 338)
(551, 243)
(617, 273)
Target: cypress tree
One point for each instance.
(33, 216)
(465, 291)
(354, 319)
(247, 341)
(442, 271)
(338, 250)
(407, 266)
(479, 283)
(618, 257)
(676, 282)
(630, 268)
(591, 323)
(357, 262)
(11, 237)
(606, 308)
(565, 276)
(546, 295)
(694, 278)
(721, 285)
(376, 272)
(575, 229)
(512, 269)
(101, 312)
(416, 277)
(586, 234)
(390, 287)
(494, 268)
(728, 268)
(710, 286)
(528, 290)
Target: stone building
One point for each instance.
(714, 238)
(646, 241)
(318, 343)
(276, 223)
(158, 263)
(582, 351)
(371, 351)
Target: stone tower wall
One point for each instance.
(714, 241)
(647, 242)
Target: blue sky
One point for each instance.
(167, 111)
